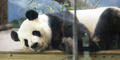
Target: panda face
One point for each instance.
(34, 35)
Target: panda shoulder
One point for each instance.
(111, 11)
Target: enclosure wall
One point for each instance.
(3, 12)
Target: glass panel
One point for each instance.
(44, 29)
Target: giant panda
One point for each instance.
(50, 31)
(54, 31)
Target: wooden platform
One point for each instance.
(10, 50)
(58, 55)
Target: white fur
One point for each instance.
(39, 24)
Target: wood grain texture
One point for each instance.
(3, 12)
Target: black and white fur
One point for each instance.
(49, 31)
(103, 24)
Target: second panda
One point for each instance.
(103, 24)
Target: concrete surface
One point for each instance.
(6, 43)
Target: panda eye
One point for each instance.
(36, 33)
(26, 42)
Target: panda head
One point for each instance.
(34, 33)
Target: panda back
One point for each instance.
(89, 17)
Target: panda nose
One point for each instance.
(35, 45)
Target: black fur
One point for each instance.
(34, 46)
(14, 36)
(56, 27)
(63, 27)
(108, 29)
(26, 42)
(36, 33)
(31, 14)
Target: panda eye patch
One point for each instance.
(36, 33)
(26, 42)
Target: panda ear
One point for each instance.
(14, 36)
(31, 14)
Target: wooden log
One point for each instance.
(6, 27)
(3, 12)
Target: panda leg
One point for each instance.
(103, 32)
(106, 43)
(66, 45)
(108, 28)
